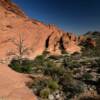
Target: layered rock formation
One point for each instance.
(8, 5)
(37, 35)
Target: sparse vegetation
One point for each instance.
(45, 87)
(87, 76)
(69, 75)
(45, 93)
(65, 76)
(94, 51)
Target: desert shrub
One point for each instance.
(76, 55)
(73, 89)
(54, 72)
(74, 64)
(55, 57)
(45, 93)
(15, 64)
(53, 85)
(64, 52)
(67, 78)
(70, 86)
(64, 78)
(92, 52)
(78, 87)
(38, 85)
(39, 64)
(44, 87)
(71, 64)
(39, 59)
(45, 66)
(24, 67)
(87, 76)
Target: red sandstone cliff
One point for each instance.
(37, 35)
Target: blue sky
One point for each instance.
(78, 16)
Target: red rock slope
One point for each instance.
(12, 85)
(37, 35)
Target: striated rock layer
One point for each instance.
(37, 35)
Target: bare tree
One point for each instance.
(21, 48)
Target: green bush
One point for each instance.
(54, 72)
(39, 85)
(71, 87)
(64, 52)
(15, 64)
(87, 76)
(53, 85)
(44, 87)
(24, 67)
(78, 87)
(67, 78)
(60, 77)
(40, 59)
(74, 64)
(44, 93)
